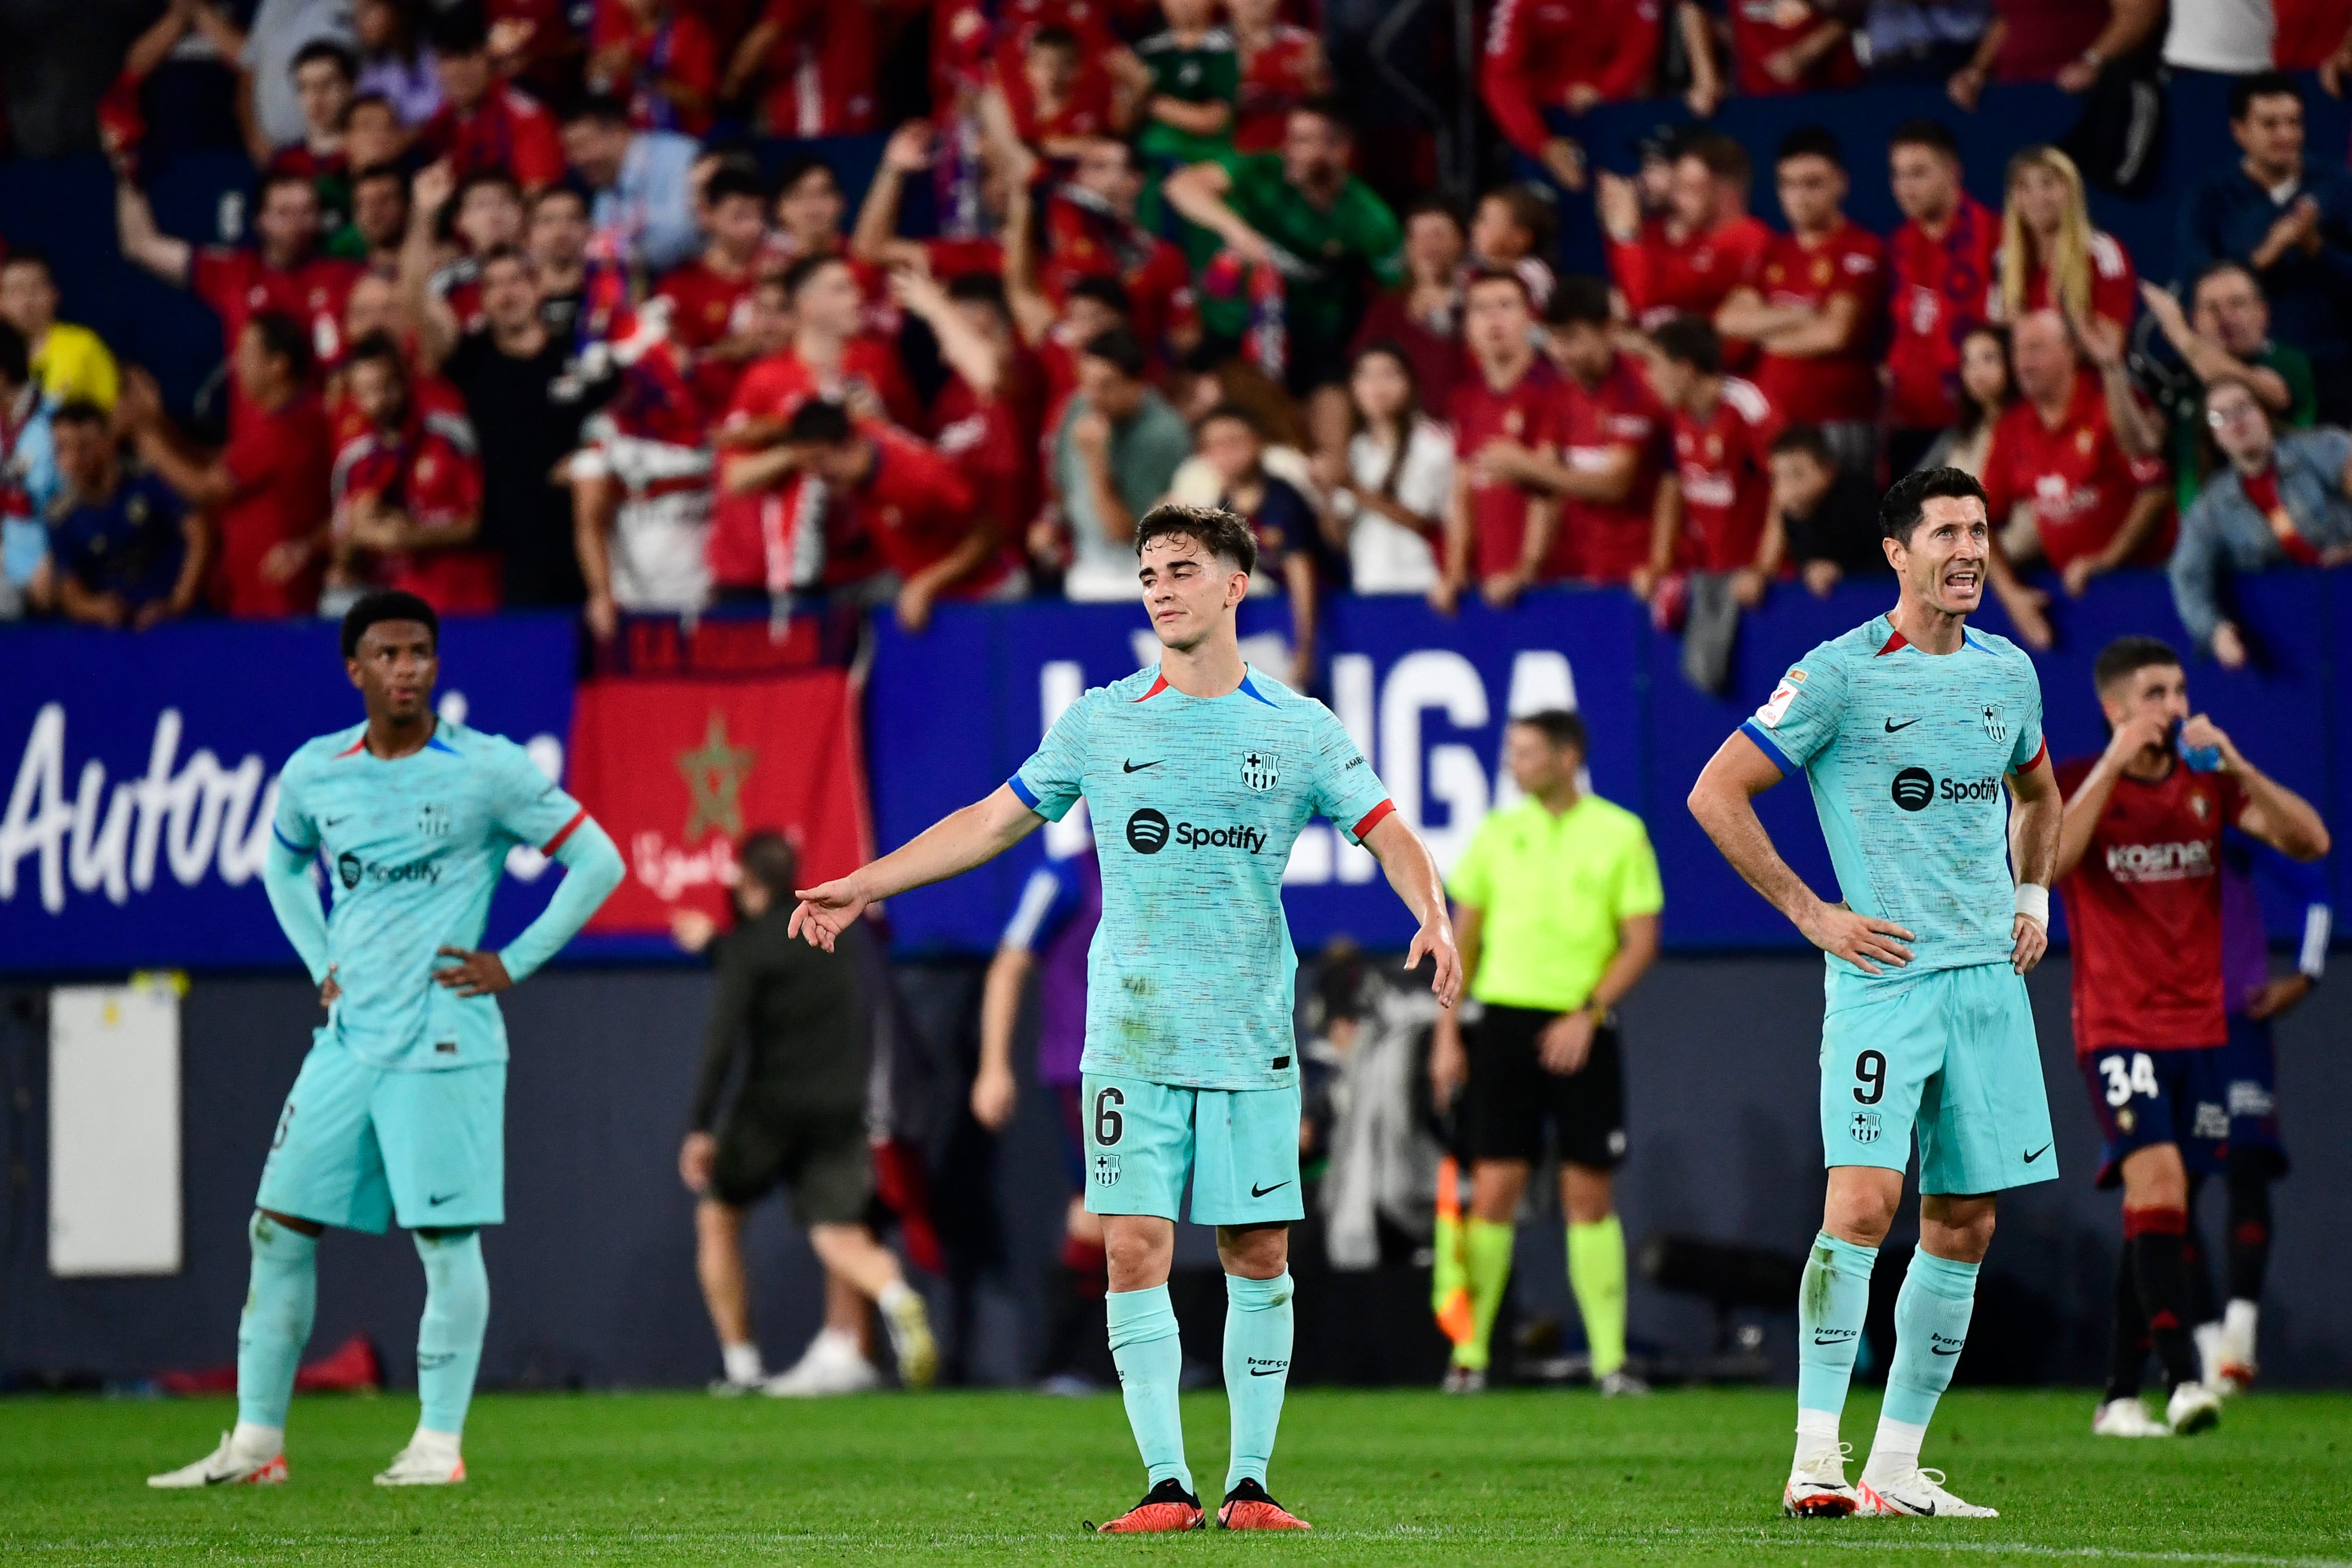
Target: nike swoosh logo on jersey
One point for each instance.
(2037, 1154)
(437, 1199)
(1891, 726)
(333, 821)
(1127, 767)
(1258, 1192)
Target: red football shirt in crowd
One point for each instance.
(429, 394)
(1433, 348)
(1762, 29)
(507, 130)
(2075, 477)
(1725, 463)
(1661, 277)
(1085, 112)
(680, 48)
(1604, 542)
(1277, 79)
(821, 73)
(994, 444)
(1826, 388)
(2144, 911)
(430, 472)
(1942, 288)
(1087, 241)
(280, 461)
(2114, 282)
(239, 285)
(1527, 411)
(915, 503)
(1537, 49)
(2308, 32)
(2045, 36)
(706, 307)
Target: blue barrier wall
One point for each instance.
(953, 713)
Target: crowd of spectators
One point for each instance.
(523, 321)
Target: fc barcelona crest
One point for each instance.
(1261, 770)
(1996, 729)
(1105, 1170)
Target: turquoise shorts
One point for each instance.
(358, 1144)
(1950, 1055)
(1240, 1146)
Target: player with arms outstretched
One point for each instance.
(1906, 728)
(399, 1112)
(1199, 776)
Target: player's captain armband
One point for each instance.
(2033, 903)
(1777, 708)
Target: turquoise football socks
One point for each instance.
(1258, 1370)
(1150, 1360)
(280, 1299)
(449, 1336)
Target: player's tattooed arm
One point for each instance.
(2034, 827)
(948, 847)
(1413, 871)
(1724, 802)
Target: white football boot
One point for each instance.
(2126, 1418)
(910, 1323)
(1817, 1486)
(226, 1467)
(1919, 1494)
(831, 1365)
(428, 1461)
(2193, 1408)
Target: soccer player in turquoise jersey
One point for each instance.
(399, 1110)
(1199, 776)
(1907, 728)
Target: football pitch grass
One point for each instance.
(1518, 1477)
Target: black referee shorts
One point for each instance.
(819, 1155)
(1511, 1100)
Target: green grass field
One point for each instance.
(1511, 1477)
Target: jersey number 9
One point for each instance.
(1870, 1078)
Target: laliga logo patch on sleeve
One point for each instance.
(1777, 709)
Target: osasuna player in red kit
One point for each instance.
(2139, 858)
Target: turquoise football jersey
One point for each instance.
(1190, 979)
(1906, 752)
(413, 849)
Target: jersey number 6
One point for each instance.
(1108, 1123)
(1870, 1075)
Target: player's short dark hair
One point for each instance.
(1932, 134)
(818, 423)
(799, 167)
(273, 178)
(797, 276)
(769, 858)
(1808, 439)
(379, 345)
(16, 359)
(1578, 299)
(2127, 655)
(1214, 529)
(1811, 142)
(1724, 158)
(1563, 727)
(1054, 35)
(1104, 291)
(282, 337)
(78, 411)
(1532, 208)
(1119, 348)
(1234, 411)
(327, 49)
(979, 288)
(1906, 502)
(1331, 109)
(1692, 341)
(732, 178)
(387, 604)
(458, 30)
(2261, 84)
(1499, 275)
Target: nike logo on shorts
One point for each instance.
(2037, 1154)
(437, 1199)
(1258, 1192)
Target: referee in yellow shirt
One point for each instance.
(1555, 911)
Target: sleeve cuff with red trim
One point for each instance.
(1371, 820)
(566, 831)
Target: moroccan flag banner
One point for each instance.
(679, 771)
